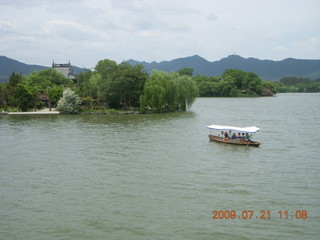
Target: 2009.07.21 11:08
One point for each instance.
(251, 214)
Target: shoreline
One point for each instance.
(55, 112)
(32, 113)
(40, 112)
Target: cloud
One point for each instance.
(20, 3)
(131, 5)
(281, 50)
(299, 49)
(86, 31)
(212, 17)
(310, 47)
(71, 30)
(8, 26)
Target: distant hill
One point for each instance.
(8, 65)
(266, 69)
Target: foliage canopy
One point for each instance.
(298, 84)
(168, 92)
(124, 86)
(70, 102)
(113, 85)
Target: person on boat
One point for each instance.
(221, 134)
(248, 137)
(234, 136)
(226, 135)
(242, 138)
(239, 137)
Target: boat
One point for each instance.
(243, 140)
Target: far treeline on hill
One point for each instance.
(110, 86)
(265, 69)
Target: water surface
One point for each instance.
(159, 176)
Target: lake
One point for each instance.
(159, 177)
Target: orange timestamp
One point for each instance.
(253, 214)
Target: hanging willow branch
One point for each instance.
(168, 92)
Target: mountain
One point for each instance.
(8, 65)
(266, 69)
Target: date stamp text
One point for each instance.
(261, 214)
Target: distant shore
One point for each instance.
(39, 112)
(54, 111)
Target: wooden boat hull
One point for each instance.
(234, 142)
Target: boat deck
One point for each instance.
(234, 141)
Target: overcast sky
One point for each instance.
(86, 31)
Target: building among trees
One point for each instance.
(65, 69)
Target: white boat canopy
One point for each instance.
(252, 129)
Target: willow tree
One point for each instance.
(188, 90)
(168, 92)
(153, 94)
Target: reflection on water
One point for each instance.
(159, 176)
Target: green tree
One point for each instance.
(237, 75)
(113, 85)
(153, 95)
(83, 87)
(89, 85)
(95, 88)
(169, 83)
(23, 97)
(15, 79)
(187, 91)
(293, 81)
(104, 71)
(106, 68)
(47, 78)
(126, 85)
(298, 84)
(205, 89)
(243, 82)
(252, 83)
(69, 102)
(54, 93)
(44, 82)
(2, 94)
(215, 89)
(227, 87)
(272, 86)
(208, 86)
(232, 83)
(168, 91)
(186, 71)
(16, 93)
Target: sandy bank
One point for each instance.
(42, 112)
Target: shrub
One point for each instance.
(69, 102)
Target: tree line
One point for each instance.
(108, 86)
(24, 92)
(123, 86)
(298, 84)
(234, 83)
